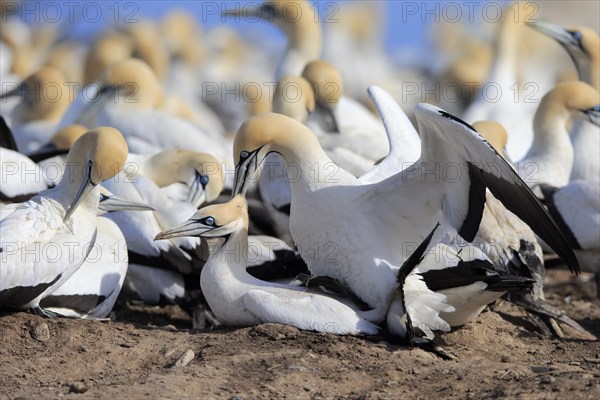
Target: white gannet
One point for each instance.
(295, 98)
(174, 183)
(583, 45)
(502, 96)
(21, 178)
(46, 239)
(43, 103)
(296, 18)
(239, 299)
(129, 99)
(326, 210)
(576, 209)
(92, 290)
(341, 122)
(550, 158)
(465, 275)
(513, 249)
(462, 273)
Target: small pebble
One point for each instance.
(185, 359)
(41, 332)
(78, 387)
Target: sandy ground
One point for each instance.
(150, 353)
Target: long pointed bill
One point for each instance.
(571, 41)
(188, 228)
(116, 203)
(556, 32)
(330, 117)
(593, 115)
(244, 173)
(84, 189)
(198, 189)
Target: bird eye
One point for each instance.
(577, 36)
(204, 180)
(244, 154)
(210, 221)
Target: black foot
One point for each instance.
(597, 276)
(40, 312)
(431, 347)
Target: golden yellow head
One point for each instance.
(103, 149)
(45, 94)
(494, 133)
(136, 83)
(202, 172)
(218, 220)
(64, 138)
(110, 48)
(326, 81)
(568, 99)
(294, 97)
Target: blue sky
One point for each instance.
(406, 22)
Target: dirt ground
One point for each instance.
(147, 353)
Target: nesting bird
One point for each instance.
(46, 239)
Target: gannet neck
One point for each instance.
(149, 46)
(591, 46)
(566, 100)
(308, 164)
(297, 19)
(506, 49)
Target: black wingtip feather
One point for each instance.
(415, 258)
(520, 200)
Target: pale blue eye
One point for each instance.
(210, 221)
(244, 155)
(204, 180)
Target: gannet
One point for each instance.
(92, 290)
(464, 274)
(576, 209)
(174, 183)
(43, 102)
(499, 99)
(326, 210)
(513, 249)
(239, 299)
(583, 45)
(550, 158)
(301, 27)
(295, 98)
(46, 239)
(133, 109)
(339, 121)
